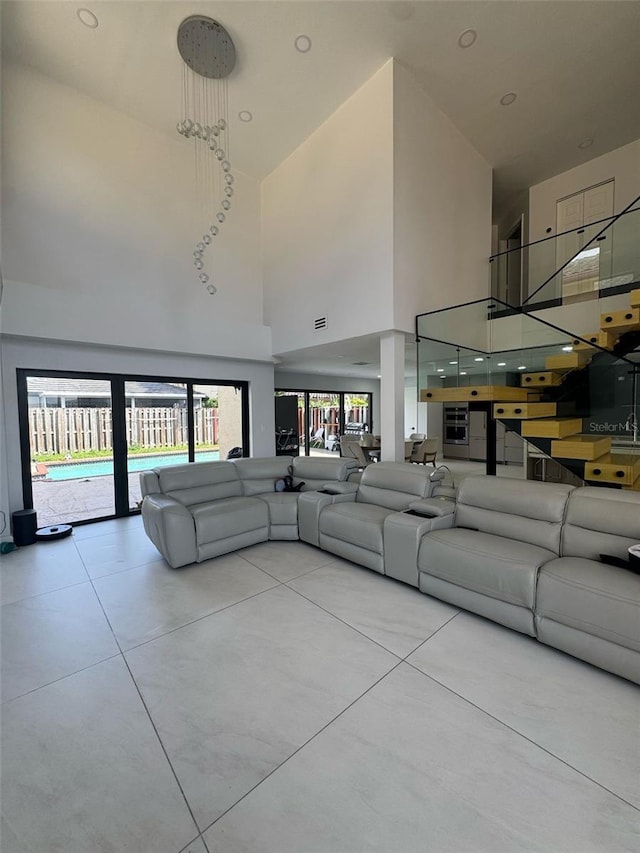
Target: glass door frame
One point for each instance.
(306, 394)
(118, 416)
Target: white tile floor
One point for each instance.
(280, 700)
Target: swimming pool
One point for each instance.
(104, 467)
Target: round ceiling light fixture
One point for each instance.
(245, 115)
(302, 43)
(586, 143)
(508, 99)
(87, 17)
(467, 38)
(206, 47)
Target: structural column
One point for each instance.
(392, 396)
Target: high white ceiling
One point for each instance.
(574, 65)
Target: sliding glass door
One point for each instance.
(68, 436)
(86, 437)
(322, 417)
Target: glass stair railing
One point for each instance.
(593, 263)
(575, 398)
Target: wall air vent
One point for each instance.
(319, 323)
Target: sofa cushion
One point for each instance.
(230, 517)
(258, 476)
(520, 510)
(393, 485)
(492, 565)
(357, 523)
(198, 482)
(600, 521)
(283, 507)
(592, 597)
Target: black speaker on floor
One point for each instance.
(25, 524)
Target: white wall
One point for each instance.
(442, 208)
(98, 231)
(39, 355)
(327, 225)
(623, 165)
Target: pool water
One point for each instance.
(104, 467)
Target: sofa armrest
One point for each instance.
(339, 487)
(171, 528)
(431, 507)
(149, 483)
(310, 506)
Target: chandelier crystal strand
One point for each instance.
(209, 57)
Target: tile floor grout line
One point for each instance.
(162, 747)
(46, 592)
(437, 631)
(426, 640)
(61, 678)
(267, 572)
(151, 721)
(357, 630)
(205, 616)
(303, 745)
(522, 735)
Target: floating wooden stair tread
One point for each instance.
(584, 447)
(551, 428)
(634, 299)
(470, 393)
(624, 321)
(524, 410)
(635, 487)
(545, 378)
(621, 468)
(604, 340)
(567, 360)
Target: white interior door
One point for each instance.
(583, 274)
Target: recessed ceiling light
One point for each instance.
(502, 364)
(245, 115)
(522, 367)
(86, 17)
(586, 143)
(467, 38)
(440, 370)
(567, 349)
(478, 359)
(453, 362)
(508, 99)
(463, 373)
(302, 44)
(379, 376)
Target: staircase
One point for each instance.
(544, 409)
(560, 435)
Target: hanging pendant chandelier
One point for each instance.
(209, 57)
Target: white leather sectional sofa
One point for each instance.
(522, 553)
(197, 511)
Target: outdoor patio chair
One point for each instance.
(317, 439)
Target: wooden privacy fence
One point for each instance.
(76, 430)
